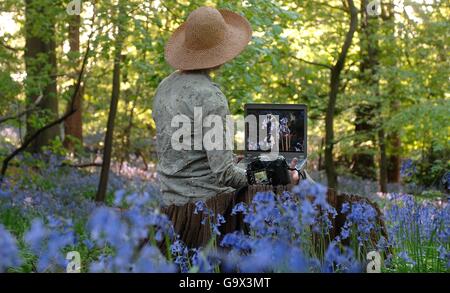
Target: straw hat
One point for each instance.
(207, 39)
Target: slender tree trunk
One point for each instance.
(329, 130)
(393, 138)
(383, 161)
(364, 158)
(103, 184)
(394, 160)
(393, 144)
(40, 63)
(73, 126)
(334, 89)
(320, 163)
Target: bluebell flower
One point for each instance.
(236, 240)
(139, 199)
(308, 212)
(89, 244)
(345, 233)
(199, 206)
(150, 260)
(407, 168)
(337, 260)
(177, 247)
(405, 257)
(119, 196)
(220, 219)
(201, 263)
(47, 244)
(269, 255)
(345, 208)
(362, 216)
(239, 208)
(105, 226)
(444, 254)
(9, 252)
(4, 194)
(103, 264)
(36, 235)
(264, 197)
(306, 188)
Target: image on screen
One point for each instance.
(291, 130)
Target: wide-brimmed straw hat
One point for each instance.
(207, 39)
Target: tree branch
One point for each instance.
(313, 63)
(85, 165)
(69, 113)
(9, 47)
(24, 112)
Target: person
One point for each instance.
(208, 39)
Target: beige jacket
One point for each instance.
(191, 175)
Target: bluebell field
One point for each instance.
(47, 210)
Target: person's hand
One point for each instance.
(294, 174)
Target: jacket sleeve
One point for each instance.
(220, 158)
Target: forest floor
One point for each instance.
(47, 210)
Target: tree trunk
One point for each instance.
(73, 126)
(40, 63)
(334, 89)
(364, 158)
(103, 184)
(383, 161)
(393, 138)
(394, 160)
(320, 163)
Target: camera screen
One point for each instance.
(291, 124)
(261, 177)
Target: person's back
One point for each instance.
(188, 170)
(191, 173)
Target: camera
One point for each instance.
(268, 171)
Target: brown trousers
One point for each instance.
(195, 234)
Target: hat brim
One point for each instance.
(238, 34)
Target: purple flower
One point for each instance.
(119, 196)
(345, 208)
(177, 247)
(264, 197)
(239, 208)
(199, 207)
(237, 240)
(269, 255)
(405, 257)
(151, 260)
(362, 216)
(35, 236)
(4, 194)
(407, 168)
(337, 260)
(9, 252)
(105, 226)
(201, 262)
(47, 244)
(306, 188)
(308, 212)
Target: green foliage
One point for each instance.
(413, 69)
